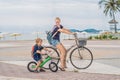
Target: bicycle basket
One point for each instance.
(82, 42)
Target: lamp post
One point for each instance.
(113, 25)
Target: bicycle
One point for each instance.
(80, 56)
(52, 65)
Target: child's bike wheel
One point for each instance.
(53, 67)
(31, 66)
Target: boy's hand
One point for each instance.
(38, 51)
(49, 51)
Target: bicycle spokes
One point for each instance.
(33, 66)
(81, 59)
(79, 52)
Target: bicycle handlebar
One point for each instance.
(75, 35)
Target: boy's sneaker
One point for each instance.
(36, 71)
(42, 70)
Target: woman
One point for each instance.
(58, 28)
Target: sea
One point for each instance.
(42, 35)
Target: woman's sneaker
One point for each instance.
(62, 69)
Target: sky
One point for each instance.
(39, 15)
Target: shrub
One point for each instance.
(114, 38)
(90, 38)
(110, 36)
(104, 36)
(96, 37)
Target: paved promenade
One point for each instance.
(14, 56)
(17, 72)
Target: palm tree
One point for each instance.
(118, 1)
(111, 8)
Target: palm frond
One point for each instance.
(102, 2)
(110, 6)
(118, 9)
(118, 3)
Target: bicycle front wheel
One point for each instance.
(81, 58)
(53, 67)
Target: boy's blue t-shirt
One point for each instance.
(36, 47)
(55, 29)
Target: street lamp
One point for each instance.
(113, 25)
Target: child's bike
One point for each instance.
(52, 65)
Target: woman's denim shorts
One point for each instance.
(55, 42)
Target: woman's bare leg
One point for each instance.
(64, 56)
(62, 50)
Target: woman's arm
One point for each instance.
(65, 31)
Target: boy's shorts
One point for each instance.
(37, 57)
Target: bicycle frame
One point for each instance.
(76, 41)
(74, 45)
(45, 61)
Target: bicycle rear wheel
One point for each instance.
(31, 66)
(82, 58)
(55, 57)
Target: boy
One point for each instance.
(36, 53)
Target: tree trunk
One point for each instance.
(115, 26)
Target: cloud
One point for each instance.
(41, 13)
